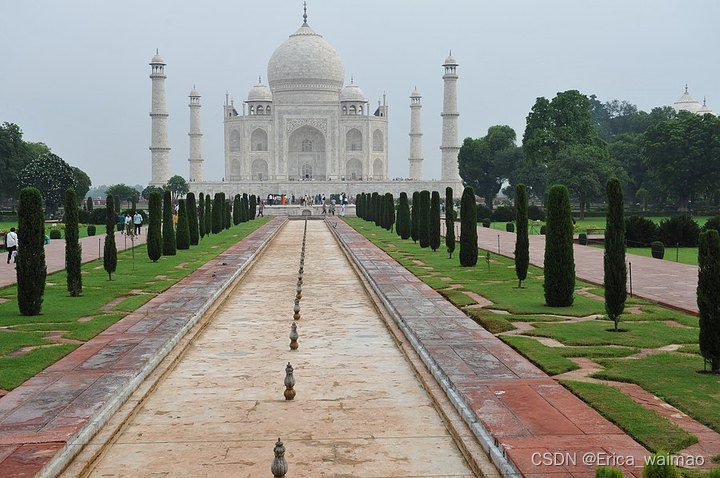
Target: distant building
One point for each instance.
(688, 103)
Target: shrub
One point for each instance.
(657, 249)
(89, 204)
(559, 283)
(708, 298)
(201, 215)
(712, 223)
(424, 219)
(449, 221)
(73, 249)
(253, 207)
(97, 216)
(183, 228)
(55, 234)
(486, 222)
(503, 214)
(91, 230)
(536, 213)
(682, 230)
(522, 241)
(510, 227)
(403, 217)
(192, 219)
(608, 472)
(236, 210)
(414, 220)
(218, 211)
(208, 215)
(168, 231)
(543, 230)
(245, 211)
(434, 231)
(154, 237)
(614, 257)
(390, 212)
(640, 231)
(468, 229)
(83, 216)
(483, 212)
(31, 267)
(228, 214)
(660, 465)
(110, 251)
(582, 239)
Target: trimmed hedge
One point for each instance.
(468, 228)
(640, 231)
(559, 263)
(403, 225)
(91, 230)
(168, 230)
(55, 234)
(510, 227)
(522, 241)
(414, 220)
(657, 249)
(582, 239)
(424, 219)
(503, 214)
(154, 236)
(110, 252)
(449, 222)
(682, 230)
(434, 226)
(31, 267)
(183, 228)
(192, 217)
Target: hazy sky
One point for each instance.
(74, 74)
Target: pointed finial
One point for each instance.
(450, 52)
(259, 79)
(704, 100)
(685, 88)
(157, 51)
(305, 13)
(193, 86)
(352, 80)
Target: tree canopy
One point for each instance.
(51, 176)
(177, 186)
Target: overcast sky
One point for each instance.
(74, 74)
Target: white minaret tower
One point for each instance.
(159, 147)
(450, 146)
(415, 158)
(195, 159)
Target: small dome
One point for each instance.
(450, 60)
(157, 60)
(687, 103)
(352, 92)
(415, 93)
(260, 92)
(194, 92)
(705, 110)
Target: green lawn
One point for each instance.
(5, 227)
(645, 325)
(81, 318)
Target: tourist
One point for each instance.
(342, 209)
(137, 220)
(121, 223)
(11, 242)
(128, 222)
(261, 208)
(324, 208)
(332, 207)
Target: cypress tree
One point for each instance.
(708, 297)
(183, 228)
(372, 207)
(201, 215)
(208, 215)
(424, 219)
(168, 231)
(434, 230)
(380, 210)
(89, 204)
(403, 217)
(192, 216)
(559, 260)
(389, 211)
(364, 207)
(31, 267)
(236, 210)
(228, 214)
(154, 237)
(614, 258)
(468, 228)
(414, 221)
(246, 208)
(110, 253)
(357, 205)
(449, 221)
(218, 211)
(522, 241)
(73, 249)
(253, 207)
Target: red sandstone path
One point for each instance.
(55, 254)
(669, 283)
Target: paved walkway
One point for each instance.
(518, 409)
(666, 282)
(359, 410)
(52, 413)
(55, 253)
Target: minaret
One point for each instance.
(415, 158)
(195, 159)
(450, 146)
(159, 147)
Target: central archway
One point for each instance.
(306, 154)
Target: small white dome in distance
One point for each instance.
(260, 92)
(687, 103)
(352, 92)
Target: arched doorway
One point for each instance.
(353, 170)
(259, 170)
(378, 170)
(306, 154)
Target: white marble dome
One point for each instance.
(352, 92)
(305, 61)
(259, 92)
(687, 103)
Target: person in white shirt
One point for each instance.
(137, 220)
(11, 242)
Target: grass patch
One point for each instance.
(61, 312)
(457, 297)
(675, 379)
(650, 429)
(490, 321)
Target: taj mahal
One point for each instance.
(308, 131)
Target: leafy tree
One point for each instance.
(110, 250)
(415, 218)
(253, 207)
(201, 215)
(403, 217)
(434, 221)
(389, 211)
(73, 248)
(151, 189)
(89, 204)
(123, 192)
(559, 259)
(177, 186)
(31, 267)
(218, 211)
(522, 242)
(183, 228)
(614, 258)
(154, 237)
(192, 219)
(168, 230)
(484, 162)
(236, 210)
(468, 228)
(449, 221)
(82, 182)
(708, 297)
(626, 151)
(14, 155)
(51, 176)
(520, 171)
(209, 217)
(424, 218)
